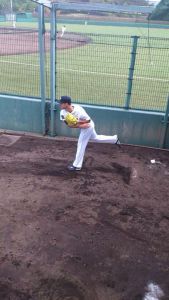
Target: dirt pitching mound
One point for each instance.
(98, 234)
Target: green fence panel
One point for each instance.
(93, 68)
(151, 75)
(2, 18)
(20, 114)
(19, 62)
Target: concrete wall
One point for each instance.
(132, 126)
(20, 114)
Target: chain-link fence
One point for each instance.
(151, 75)
(19, 62)
(94, 69)
(97, 72)
(91, 68)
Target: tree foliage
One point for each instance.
(161, 12)
(18, 5)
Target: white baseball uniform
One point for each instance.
(86, 134)
(63, 30)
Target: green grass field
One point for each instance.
(97, 72)
(115, 30)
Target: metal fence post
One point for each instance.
(131, 71)
(53, 68)
(42, 64)
(165, 123)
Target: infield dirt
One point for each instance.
(99, 234)
(24, 41)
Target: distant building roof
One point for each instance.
(77, 6)
(105, 7)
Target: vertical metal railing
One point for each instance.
(131, 71)
(165, 123)
(53, 68)
(42, 64)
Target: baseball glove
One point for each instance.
(70, 120)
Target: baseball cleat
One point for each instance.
(72, 168)
(118, 143)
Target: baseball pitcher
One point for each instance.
(75, 116)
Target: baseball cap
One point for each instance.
(65, 99)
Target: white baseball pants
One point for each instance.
(84, 137)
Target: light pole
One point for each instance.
(12, 15)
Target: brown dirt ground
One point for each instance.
(17, 41)
(100, 234)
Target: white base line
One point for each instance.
(18, 63)
(90, 72)
(115, 75)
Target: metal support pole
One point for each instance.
(53, 68)
(131, 71)
(12, 14)
(165, 122)
(42, 64)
